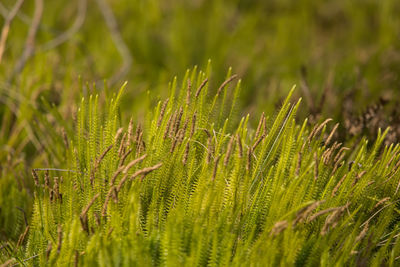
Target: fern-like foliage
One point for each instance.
(193, 185)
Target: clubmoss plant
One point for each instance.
(192, 185)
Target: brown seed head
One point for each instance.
(278, 228)
(193, 128)
(225, 83)
(118, 134)
(201, 87)
(215, 167)
(130, 133)
(260, 124)
(188, 91)
(240, 148)
(162, 112)
(186, 154)
(329, 138)
(229, 150)
(35, 177)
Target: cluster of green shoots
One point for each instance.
(194, 186)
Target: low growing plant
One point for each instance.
(192, 185)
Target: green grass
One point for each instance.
(192, 185)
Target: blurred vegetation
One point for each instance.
(343, 55)
(343, 45)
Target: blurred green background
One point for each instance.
(346, 52)
(342, 44)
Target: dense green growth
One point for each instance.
(344, 56)
(194, 186)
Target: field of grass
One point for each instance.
(126, 138)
